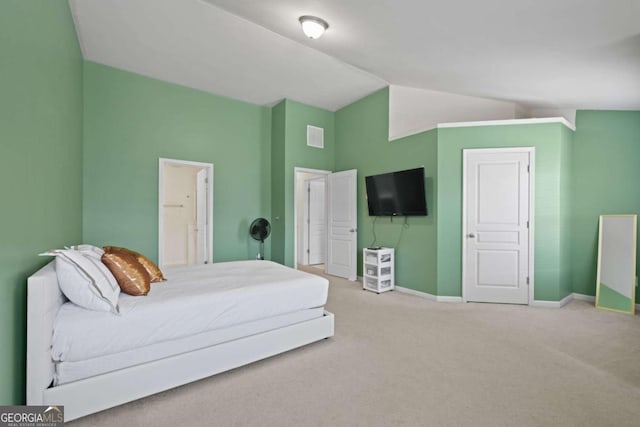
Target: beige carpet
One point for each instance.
(399, 360)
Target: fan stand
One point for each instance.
(259, 230)
(260, 255)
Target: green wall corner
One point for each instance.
(131, 121)
(290, 150)
(604, 180)
(40, 161)
(363, 144)
(547, 140)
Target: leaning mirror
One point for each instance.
(615, 286)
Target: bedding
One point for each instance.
(131, 276)
(152, 269)
(89, 250)
(67, 372)
(86, 281)
(194, 300)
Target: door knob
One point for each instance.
(471, 235)
(353, 230)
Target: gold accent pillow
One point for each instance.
(129, 273)
(152, 269)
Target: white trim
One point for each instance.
(418, 294)
(553, 304)
(209, 167)
(444, 298)
(464, 225)
(532, 223)
(560, 120)
(584, 297)
(532, 190)
(425, 295)
(536, 303)
(564, 301)
(297, 169)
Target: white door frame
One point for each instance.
(532, 169)
(202, 218)
(297, 169)
(162, 162)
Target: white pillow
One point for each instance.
(89, 250)
(86, 281)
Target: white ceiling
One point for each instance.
(581, 54)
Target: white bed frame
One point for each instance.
(94, 394)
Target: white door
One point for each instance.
(496, 262)
(316, 221)
(201, 217)
(342, 210)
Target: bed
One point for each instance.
(204, 320)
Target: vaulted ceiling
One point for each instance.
(581, 54)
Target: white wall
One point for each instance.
(536, 113)
(416, 110)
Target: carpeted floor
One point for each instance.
(400, 360)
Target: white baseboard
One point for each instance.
(430, 297)
(536, 303)
(564, 301)
(583, 297)
(415, 293)
(552, 304)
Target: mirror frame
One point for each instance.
(633, 279)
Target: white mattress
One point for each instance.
(193, 300)
(67, 372)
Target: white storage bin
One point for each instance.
(378, 269)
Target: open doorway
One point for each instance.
(185, 213)
(310, 224)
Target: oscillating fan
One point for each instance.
(260, 229)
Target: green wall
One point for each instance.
(550, 142)
(131, 121)
(40, 155)
(290, 150)
(606, 173)
(363, 144)
(566, 182)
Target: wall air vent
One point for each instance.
(315, 136)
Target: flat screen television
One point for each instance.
(397, 193)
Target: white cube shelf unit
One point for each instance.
(378, 273)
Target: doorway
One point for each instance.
(315, 222)
(310, 217)
(497, 225)
(185, 213)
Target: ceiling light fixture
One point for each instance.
(312, 26)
